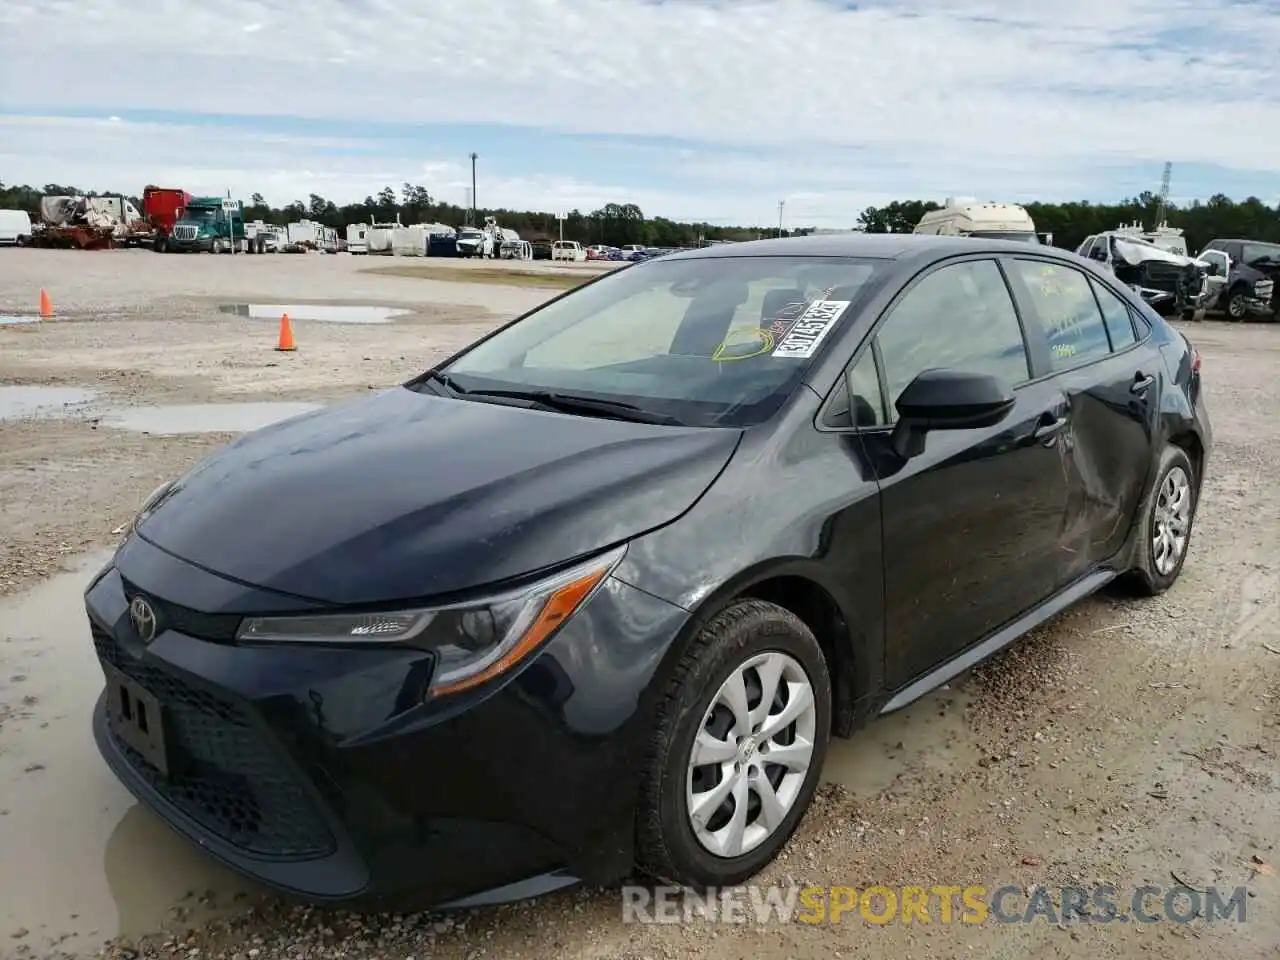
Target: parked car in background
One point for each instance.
(1247, 271)
(728, 503)
(1172, 284)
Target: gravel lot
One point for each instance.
(1126, 743)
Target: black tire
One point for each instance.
(666, 847)
(1235, 307)
(1145, 579)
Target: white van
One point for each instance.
(15, 228)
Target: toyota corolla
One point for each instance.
(595, 592)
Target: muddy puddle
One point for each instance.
(18, 403)
(204, 417)
(11, 320)
(320, 312)
(83, 862)
(929, 734)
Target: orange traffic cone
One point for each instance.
(286, 334)
(46, 306)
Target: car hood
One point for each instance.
(406, 495)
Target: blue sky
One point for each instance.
(693, 109)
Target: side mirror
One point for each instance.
(947, 400)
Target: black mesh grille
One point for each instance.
(220, 628)
(223, 775)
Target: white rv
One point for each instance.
(968, 217)
(15, 228)
(358, 238)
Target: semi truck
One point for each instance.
(161, 208)
(212, 225)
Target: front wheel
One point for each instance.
(1165, 529)
(1236, 305)
(737, 748)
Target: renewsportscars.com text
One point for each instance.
(942, 904)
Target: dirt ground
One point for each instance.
(1125, 743)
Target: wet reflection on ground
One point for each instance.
(82, 860)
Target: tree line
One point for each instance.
(1070, 223)
(618, 224)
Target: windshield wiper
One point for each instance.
(568, 403)
(444, 380)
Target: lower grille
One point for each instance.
(223, 775)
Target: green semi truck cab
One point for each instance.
(209, 225)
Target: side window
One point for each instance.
(1260, 253)
(960, 317)
(1099, 249)
(859, 402)
(1117, 316)
(1069, 314)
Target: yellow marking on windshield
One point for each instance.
(764, 346)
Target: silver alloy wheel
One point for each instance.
(1172, 521)
(1236, 307)
(751, 755)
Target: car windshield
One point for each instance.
(716, 341)
(200, 213)
(469, 234)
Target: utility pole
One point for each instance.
(473, 188)
(781, 204)
(1163, 209)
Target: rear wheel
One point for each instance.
(1167, 518)
(737, 749)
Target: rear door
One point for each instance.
(1103, 362)
(972, 525)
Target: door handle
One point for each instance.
(1141, 384)
(1047, 430)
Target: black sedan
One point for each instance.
(595, 592)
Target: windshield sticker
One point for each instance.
(802, 340)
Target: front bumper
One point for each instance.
(198, 245)
(322, 773)
(1258, 306)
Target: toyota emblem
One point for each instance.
(144, 619)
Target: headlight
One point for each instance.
(473, 642)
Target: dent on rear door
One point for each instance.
(1106, 453)
(1106, 448)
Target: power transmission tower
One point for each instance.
(1162, 209)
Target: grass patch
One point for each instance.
(493, 275)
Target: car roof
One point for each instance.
(882, 246)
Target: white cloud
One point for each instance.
(960, 96)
